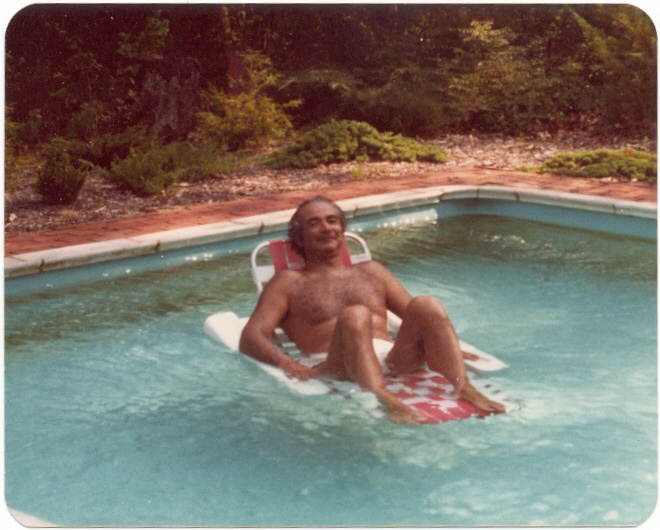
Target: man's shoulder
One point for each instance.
(371, 266)
(373, 269)
(285, 278)
(281, 286)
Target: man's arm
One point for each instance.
(256, 337)
(397, 297)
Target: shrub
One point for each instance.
(143, 173)
(322, 93)
(88, 121)
(61, 177)
(600, 163)
(152, 172)
(342, 141)
(414, 113)
(193, 163)
(251, 117)
(108, 148)
(411, 102)
(408, 100)
(243, 120)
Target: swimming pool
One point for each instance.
(120, 412)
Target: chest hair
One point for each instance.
(321, 299)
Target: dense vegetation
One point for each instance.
(154, 94)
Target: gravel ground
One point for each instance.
(100, 200)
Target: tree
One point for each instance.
(414, 68)
(620, 58)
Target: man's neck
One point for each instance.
(320, 262)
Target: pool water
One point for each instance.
(119, 411)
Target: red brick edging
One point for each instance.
(224, 211)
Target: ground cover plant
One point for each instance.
(600, 163)
(346, 140)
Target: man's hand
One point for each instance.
(297, 370)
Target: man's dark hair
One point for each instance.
(296, 227)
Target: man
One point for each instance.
(337, 316)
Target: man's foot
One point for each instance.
(397, 411)
(475, 397)
(470, 356)
(403, 414)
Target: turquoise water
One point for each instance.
(119, 411)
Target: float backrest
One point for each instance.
(270, 257)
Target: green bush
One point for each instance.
(249, 118)
(193, 163)
(411, 102)
(143, 173)
(407, 100)
(414, 113)
(152, 172)
(87, 123)
(61, 177)
(601, 163)
(107, 148)
(343, 141)
(323, 95)
(243, 120)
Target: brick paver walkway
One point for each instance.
(223, 211)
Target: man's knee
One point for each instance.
(356, 316)
(428, 306)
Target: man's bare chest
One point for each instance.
(318, 300)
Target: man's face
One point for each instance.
(321, 228)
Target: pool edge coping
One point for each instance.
(36, 262)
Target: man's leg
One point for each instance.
(351, 356)
(427, 336)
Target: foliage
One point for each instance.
(249, 118)
(154, 171)
(108, 148)
(88, 122)
(621, 64)
(12, 157)
(411, 102)
(143, 173)
(321, 92)
(148, 41)
(103, 76)
(507, 87)
(61, 177)
(475, 68)
(627, 163)
(342, 141)
(195, 162)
